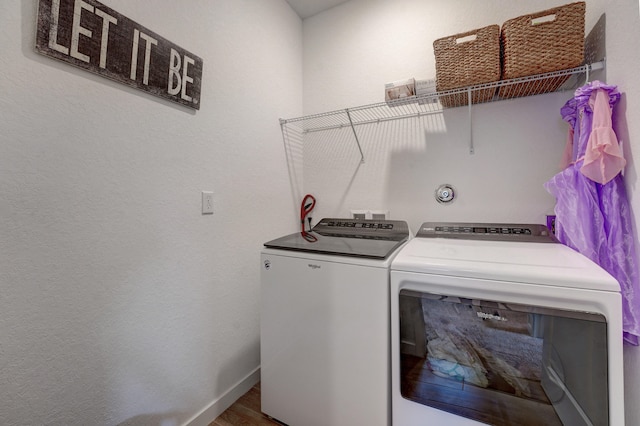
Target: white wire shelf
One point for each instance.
(435, 103)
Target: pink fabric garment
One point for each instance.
(603, 158)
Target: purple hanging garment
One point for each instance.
(593, 215)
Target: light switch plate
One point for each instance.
(207, 202)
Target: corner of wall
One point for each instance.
(218, 406)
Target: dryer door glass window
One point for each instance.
(503, 363)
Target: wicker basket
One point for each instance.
(542, 42)
(462, 63)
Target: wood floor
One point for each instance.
(245, 411)
(488, 405)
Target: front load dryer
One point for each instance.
(500, 324)
(324, 325)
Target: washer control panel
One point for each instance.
(327, 223)
(362, 228)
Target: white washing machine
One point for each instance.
(324, 325)
(500, 324)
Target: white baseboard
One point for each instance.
(217, 407)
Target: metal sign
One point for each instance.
(96, 38)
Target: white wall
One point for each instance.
(119, 302)
(351, 51)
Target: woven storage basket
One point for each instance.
(542, 42)
(462, 63)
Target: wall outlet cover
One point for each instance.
(359, 214)
(378, 214)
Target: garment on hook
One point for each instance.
(603, 158)
(593, 215)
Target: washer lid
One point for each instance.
(375, 239)
(519, 262)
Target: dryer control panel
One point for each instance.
(487, 231)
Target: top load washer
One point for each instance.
(324, 325)
(500, 324)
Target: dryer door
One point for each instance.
(503, 363)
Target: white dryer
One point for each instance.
(500, 324)
(324, 325)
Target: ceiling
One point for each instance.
(307, 8)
